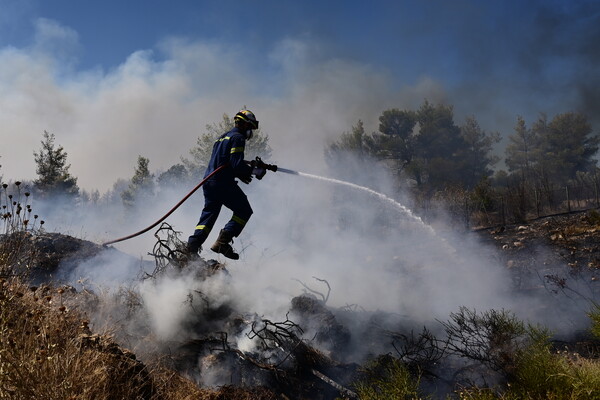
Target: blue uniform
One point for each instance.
(222, 188)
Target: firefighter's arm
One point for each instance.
(236, 159)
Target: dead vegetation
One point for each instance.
(53, 346)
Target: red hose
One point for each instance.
(170, 211)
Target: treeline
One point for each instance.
(55, 181)
(426, 151)
(439, 160)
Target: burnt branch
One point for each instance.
(308, 289)
(492, 338)
(422, 349)
(274, 335)
(168, 250)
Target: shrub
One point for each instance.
(595, 317)
(17, 224)
(387, 378)
(541, 373)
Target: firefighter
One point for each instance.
(222, 189)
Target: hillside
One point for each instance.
(226, 352)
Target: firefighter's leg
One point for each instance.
(210, 213)
(237, 201)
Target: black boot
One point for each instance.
(222, 245)
(192, 251)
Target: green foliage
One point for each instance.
(424, 146)
(387, 378)
(594, 315)
(521, 151)
(552, 151)
(350, 155)
(53, 171)
(542, 373)
(567, 145)
(141, 185)
(476, 154)
(175, 175)
(258, 145)
(493, 337)
(483, 195)
(536, 370)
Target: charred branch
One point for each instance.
(324, 298)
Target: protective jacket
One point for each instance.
(229, 148)
(222, 189)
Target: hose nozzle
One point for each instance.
(258, 163)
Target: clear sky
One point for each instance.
(99, 73)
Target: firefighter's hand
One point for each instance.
(259, 172)
(246, 179)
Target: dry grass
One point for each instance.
(48, 352)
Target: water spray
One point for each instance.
(260, 164)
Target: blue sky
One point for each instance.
(333, 62)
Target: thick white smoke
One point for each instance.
(155, 104)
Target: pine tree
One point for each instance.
(521, 151)
(568, 146)
(352, 155)
(53, 171)
(439, 145)
(141, 186)
(476, 155)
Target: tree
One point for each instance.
(53, 171)
(257, 146)
(175, 175)
(395, 142)
(355, 142)
(522, 150)
(552, 152)
(438, 151)
(567, 146)
(350, 155)
(476, 155)
(141, 185)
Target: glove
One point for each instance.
(246, 179)
(259, 172)
(257, 163)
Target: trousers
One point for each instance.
(217, 195)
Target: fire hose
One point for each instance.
(258, 163)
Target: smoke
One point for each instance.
(158, 101)
(527, 60)
(308, 233)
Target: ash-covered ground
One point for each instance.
(187, 312)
